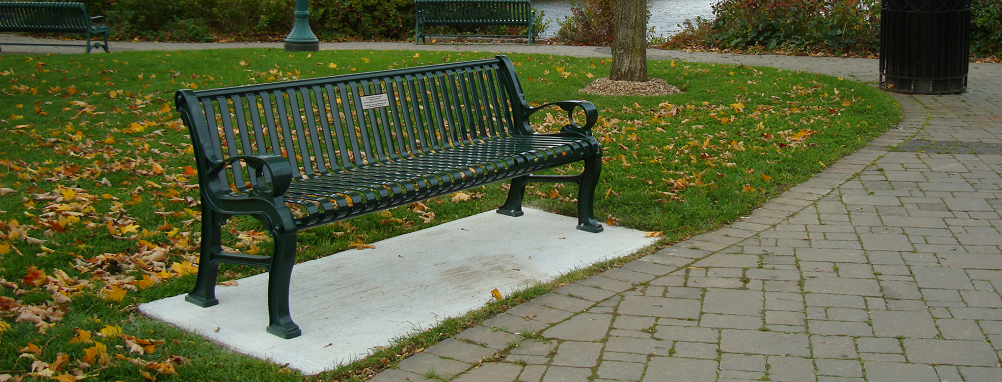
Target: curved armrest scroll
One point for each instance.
(278, 167)
(591, 114)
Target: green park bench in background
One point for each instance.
(45, 17)
(460, 13)
(304, 153)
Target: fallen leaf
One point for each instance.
(360, 245)
(496, 294)
(653, 234)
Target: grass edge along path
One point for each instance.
(101, 211)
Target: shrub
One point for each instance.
(590, 23)
(986, 28)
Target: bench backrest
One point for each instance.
(16, 16)
(328, 124)
(480, 12)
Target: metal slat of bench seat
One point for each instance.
(304, 153)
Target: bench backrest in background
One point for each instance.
(475, 12)
(53, 17)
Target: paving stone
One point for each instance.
(659, 307)
(514, 324)
(565, 303)
(885, 242)
(577, 354)
(915, 324)
(606, 283)
(728, 261)
(625, 357)
(633, 322)
(837, 347)
(582, 327)
(839, 367)
(970, 261)
(878, 345)
(638, 346)
(584, 292)
(792, 369)
(948, 373)
(832, 285)
(942, 278)
(532, 373)
(528, 359)
(396, 375)
(695, 350)
(627, 275)
(761, 342)
(729, 301)
(847, 314)
(662, 369)
(729, 321)
(622, 371)
(774, 317)
(950, 352)
(743, 362)
(839, 328)
(566, 374)
(954, 329)
(905, 290)
(493, 338)
(896, 371)
(982, 299)
(539, 313)
(784, 301)
(688, 334)
(491, 372)
(534, 347)
(981, 374)
(460, 351)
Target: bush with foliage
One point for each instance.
(810, 26)
(833, 26)
(986, 28)
(590, 23)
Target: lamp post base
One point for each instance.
(302, 46)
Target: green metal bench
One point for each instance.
(304, 153)
(44, 17)
(459, 13)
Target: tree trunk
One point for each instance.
(629, 41)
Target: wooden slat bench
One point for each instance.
(305, 153)
(56, 17)
(459, 13)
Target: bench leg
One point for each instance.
(204, 294)
(279, 318)
(586, 195)
(513, 206)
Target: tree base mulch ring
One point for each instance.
(606, 87)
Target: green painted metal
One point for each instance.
(55, 17)
(301, 37)
(304, 153)
(428, 13)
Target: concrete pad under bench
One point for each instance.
(351, 301)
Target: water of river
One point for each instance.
(666, 15)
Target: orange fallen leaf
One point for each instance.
(360, 245)
(496, 294)
(653, 234)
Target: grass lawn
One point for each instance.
(100, 204)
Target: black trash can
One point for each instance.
(924, 46)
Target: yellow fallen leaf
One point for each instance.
(653, 234)
(460, 197)
(748, 188)
(115, 294)
(360, 245)
(82, 336)
(111, 331)
(766, 177)
(496, 294)
(183, 268)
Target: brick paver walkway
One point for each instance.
(887, 266)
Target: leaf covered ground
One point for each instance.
(100, 203)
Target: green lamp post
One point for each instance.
(301, 38)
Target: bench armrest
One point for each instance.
(278, 167)
(591, 115)
(96, 17)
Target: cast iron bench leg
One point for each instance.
(204, 293)
(513, 205)
(586, 195)
(279, 318)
